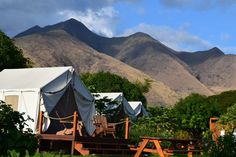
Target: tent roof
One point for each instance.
(112, 96)
(29, 78)
(134, 104)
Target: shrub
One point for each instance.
(224, 146)
(14, 134)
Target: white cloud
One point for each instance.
(177, 39)
(19, 15)
(101, 21)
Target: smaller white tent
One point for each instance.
(119, 104)
(58, 91)
(138, 108)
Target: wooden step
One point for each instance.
(79, 147)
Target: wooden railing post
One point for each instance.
(40, 122)
(126, 128)
(74, 132)
(75, 124)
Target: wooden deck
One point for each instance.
(85, 145)
(77, 144)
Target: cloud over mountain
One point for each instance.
(178, 39)
(102, 21)
(18, 15)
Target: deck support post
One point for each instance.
(74, 133)
(126, 128)
(40, 122)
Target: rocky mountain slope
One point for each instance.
(58, 48)
(176, 74)
(139, 51)
(213, 68)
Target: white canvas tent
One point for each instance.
(118, 103)
(54, 89)
(138, 108)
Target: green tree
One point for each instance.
(108, 82)
(193, 113)
(10, 55)
(224, 147)
(161, 122)
(14, 134)
(229, 118)
(223, 100)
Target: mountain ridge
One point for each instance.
(58, 48)
(180, 71)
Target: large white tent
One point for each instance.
(52, 90)
(119, 104)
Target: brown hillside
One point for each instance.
(150, 56)
(58, 48)
(218, 73)
(140, 51)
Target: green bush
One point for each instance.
(14, 134)
(160, 123)
(223, 100)
(225, 146)
(193, 114)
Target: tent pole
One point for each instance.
(126, 127)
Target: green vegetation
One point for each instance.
(10, 55)
(108, 82)
(160, 123)
(189, 118)
(228, 120)
(193, 114)
(14, 134)
(223, 101)
(225, 146)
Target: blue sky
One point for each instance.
(184, 25)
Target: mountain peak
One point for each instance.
(32, 30)
(140, 34)
(73, 21)
(216, 50)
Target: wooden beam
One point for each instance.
(126, 128)
(140, 149)
(74, 133)
(56, 137)
(158, 147)
(75, 124)
(40, 122)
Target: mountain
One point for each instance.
(57, 48)
(140, 51)
(138, 56)
(200, 56)
(213, 68)
(218, 73)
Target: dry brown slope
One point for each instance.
(57, 48)
(218, 73)
(140, 51)
(160, 62)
